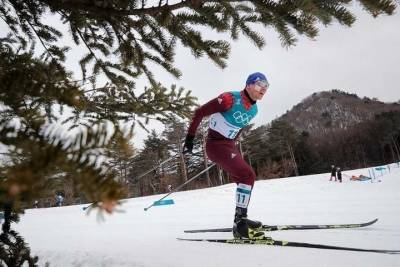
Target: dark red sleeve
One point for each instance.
(220, 104)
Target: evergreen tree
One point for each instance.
(371, 142)
(147, 169)
(199, 161)
(15, 252)
(282, 139)
(253, 146)
(120, 154)
(13, 249)
(389, 125)
(174, 134)
(307, 159)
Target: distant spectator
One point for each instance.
(59, 200)
(339, 174)
(333, 173)
(36, 204)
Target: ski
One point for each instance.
(268, 228)
(271, 242)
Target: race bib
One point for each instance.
(219, 124)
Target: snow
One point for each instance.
(67, 236)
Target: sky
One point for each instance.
(362, 59)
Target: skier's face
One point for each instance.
(258, 89)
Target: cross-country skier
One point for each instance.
(230, 112)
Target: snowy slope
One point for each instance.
(68, 237)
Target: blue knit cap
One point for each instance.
(254, 77)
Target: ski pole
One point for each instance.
(165, 161)
(149, 171)
(182, 185)
(144, 174)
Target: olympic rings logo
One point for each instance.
(242, 118)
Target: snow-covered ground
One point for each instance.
(68, 237)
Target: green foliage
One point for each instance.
(13, 250)
(134, 35)
(388, 125)
(344, 93)
(174, 134)
(369, 143)
(307, 158)
(162, 154)
(270, 148)
(145, 170)
(38, 95)
(281, 136)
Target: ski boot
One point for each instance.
(246, 228)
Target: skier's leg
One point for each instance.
(242, 226)
(228, 157)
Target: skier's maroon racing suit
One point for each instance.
(230, 112)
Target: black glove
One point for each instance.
(188, 146)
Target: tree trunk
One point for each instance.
(296, 170)
(392, 152)
(240, 147)
(153, 188)
(283, 164)
(206, 161)
(220, 175)
(363, 156)
(250, 163)
(183, 165)
(396, 146)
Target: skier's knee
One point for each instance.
(249, 177)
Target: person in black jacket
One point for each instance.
(333, 173)
(339, 174)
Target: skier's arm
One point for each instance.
(220, 104)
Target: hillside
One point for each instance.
(325, 111)
(67, 237)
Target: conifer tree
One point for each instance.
(282, 140)
(174, 135)
(121, 158)
(252, 144)
(306, 157)
(151, 164)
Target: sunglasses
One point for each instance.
(262, 85)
